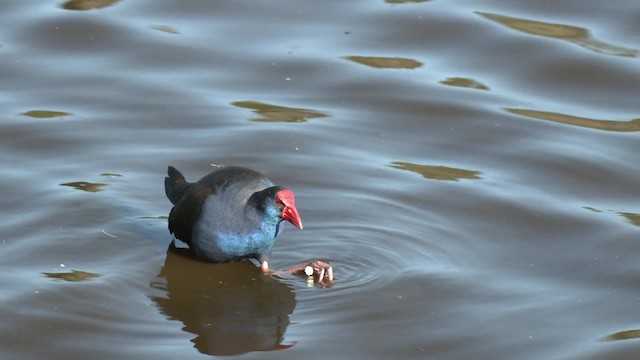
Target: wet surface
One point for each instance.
(469, 169)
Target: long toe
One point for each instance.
(323, 271)
(320, 271)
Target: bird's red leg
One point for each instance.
(321, 271)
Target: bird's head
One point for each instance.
(286, 202)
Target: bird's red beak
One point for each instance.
(289, 213)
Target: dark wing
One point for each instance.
(186, 211)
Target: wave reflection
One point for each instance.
(275, 113)
(606, 125)
(84, 5)
(576, 35)
(385, 62)
(433, 172)
(464, 82)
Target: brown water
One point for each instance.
(470, 169)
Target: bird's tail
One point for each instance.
(175, 185)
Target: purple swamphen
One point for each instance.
(234, 213)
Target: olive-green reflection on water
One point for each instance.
(73, 276)
(633, 218)
(624, 335)
(573, 34)
(405, 1)
(45, 114)
(231, 308)
(275, 113)
(87, 4)
(607, 125)
(385, 62)
(437, 172)
(111, 175)
(464, 82)
(166, 29)
(85, 186)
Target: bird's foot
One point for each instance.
(320, 271)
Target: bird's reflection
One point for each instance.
(231, 308)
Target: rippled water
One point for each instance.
(469, 168)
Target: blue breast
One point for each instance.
(225, 232)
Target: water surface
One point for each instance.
(470, 169)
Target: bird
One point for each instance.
(233, 213)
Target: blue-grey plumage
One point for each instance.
(231, 213)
